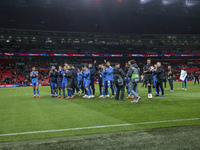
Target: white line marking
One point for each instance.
(96, 127)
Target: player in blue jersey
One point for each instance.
(64, 80)
(59, 80)
(53, 76)
(103, 75)
(34, 78)
(183, 76)
(86, 81)
(109, 79)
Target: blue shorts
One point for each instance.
(64, 84)
(185, 80)
(86, 84)
(104, 83)
(35, 84)
(154, 82)
(79, 83)
(53, 85)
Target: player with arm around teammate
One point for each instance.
(160, 78)
(86, 81)
(34, 78)
(103, 75)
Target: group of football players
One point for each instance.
(82, 80)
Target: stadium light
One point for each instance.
(144, 1)
(167, 2)
(190, 3)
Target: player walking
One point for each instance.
(34, 78)
(133, 73)
(119, 75)
(155, 79)
(183, 77)
(160, 78)
(147, 70)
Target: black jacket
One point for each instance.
(160, 73)
(99, 74)
(196, 74)
(53, 77)
(118, 72)
(70, 75)
(170, 74)
(59, 77)
(92, 71)
(75, 75)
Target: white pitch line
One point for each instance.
(96, 127)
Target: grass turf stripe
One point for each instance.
(95, 127)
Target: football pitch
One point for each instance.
(24, 118)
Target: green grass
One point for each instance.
(19, 112)
(172, 138)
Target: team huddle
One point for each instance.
(81, 80)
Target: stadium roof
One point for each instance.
(167, 7)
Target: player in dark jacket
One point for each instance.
(59, 80)
(170, 77)
(75, 86)
(70, 78)
(99, 77)
(119, 75)
(53, 79)
(196, 77)
(92, 74)
(147, 71)
(160, 78)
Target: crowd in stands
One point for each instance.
(16, 70)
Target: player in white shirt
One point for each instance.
(183, 77)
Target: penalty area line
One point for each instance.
(97, 127)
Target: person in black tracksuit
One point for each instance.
(165, 79)
(160, 77)
(99, 77)
(75, 80)
(70, 78)
(53, 79)
(59, 80)
(170, 77)
(119, 75)
(92, 74)
(196, 77)
(148, 76)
